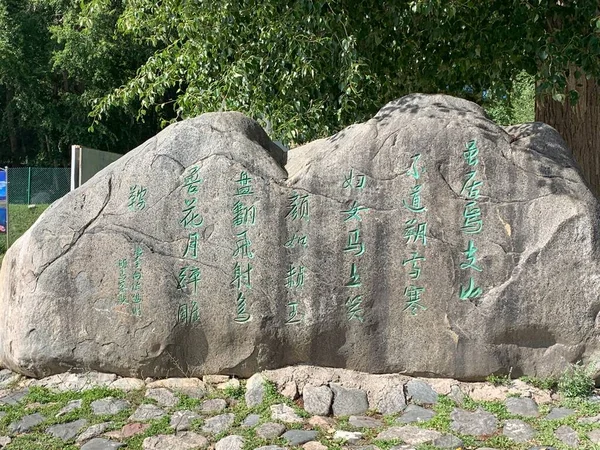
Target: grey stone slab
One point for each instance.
(420, 393)
(365, 422)
(348, 402)
(146, 412)
(285, 414)
(559, 413)
(271, 447)
(392, 400)
(67, 431)
(448, 441)
(186, 440)
(522, 406)
(255, 390)
(26, 423)
(594, 436)
(233, 442)
(14, 397)
(299, 437)
(163, 396)
(181, 420)
(109, 406)
(101, 444)
(317, 400)
(477, 423)
(71, 406)
(351, 437)
(567, 436)
(270, 430)
(414, 413)
(218, 424)
(93, 431)
(213, 406)
(251, 421)
(410, 434)
(518, 431)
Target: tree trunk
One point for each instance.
(578, 124)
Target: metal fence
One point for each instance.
(37, 185)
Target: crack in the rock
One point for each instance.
(78, 235)
(165, 155)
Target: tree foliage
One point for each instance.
(309, 67)
(304, 69)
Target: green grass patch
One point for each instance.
(20, 219)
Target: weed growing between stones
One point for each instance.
(577, 381)
(498, 380)
(549, 384)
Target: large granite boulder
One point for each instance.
(427, 240)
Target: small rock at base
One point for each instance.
(218, 424)
(299, 437)
(271, 447)
(448, 441)
(559, 413)
(181, 420)
(213, 406)
(518, 431)
(567, 435)
(364, 422)
(232, 442)
(290, 390)
(66, 431)
(314, 445)
(317, 400)
(522, 406)
(255, 390)
(4, 441)
(109, 406)
(410, 434)
(285, 414)
(93, 431)
(133, 429)
(348, 402)
(477, 423)
(392, 400)
(128, 384)
(270, 430)
(326, 423)
(352, 437)
(183, 441)
(594, 436)
(146, 412)
(26, 423)
(421, 393)
(234, 383)
(414, 413)
(71, 406)
(215, 379)
(251, 421)
(163, 397)
(101, 444)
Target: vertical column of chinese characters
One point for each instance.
(244, 216)
(122, 295)
(136, 287)
(136, 202)
(191, 221)
(298, 211)
(472, 221)
(415, 232)
(355, 247)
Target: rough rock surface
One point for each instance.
(203, 252)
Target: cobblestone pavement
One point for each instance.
(95, 411)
